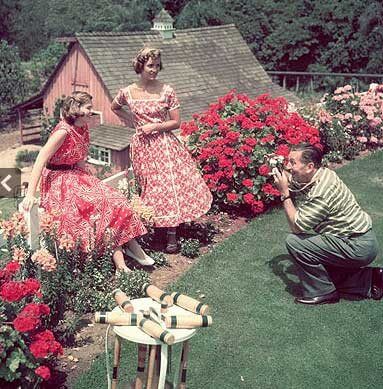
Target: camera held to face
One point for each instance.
(275, 163)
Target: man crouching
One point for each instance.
(334, 258)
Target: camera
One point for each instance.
(275, 163)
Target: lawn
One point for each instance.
(7, 207)
(260, 338)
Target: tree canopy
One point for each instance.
(301, 35)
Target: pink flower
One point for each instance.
(48, 224)
(375, 122)
(66, 242)
(373, 139)
(45, 259)
(20, 227)
(19, 255)
(362, 139)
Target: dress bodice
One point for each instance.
(75, 146)
(148, 110)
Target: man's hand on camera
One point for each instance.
(281, 181)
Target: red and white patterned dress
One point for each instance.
(168, 176)
(86, 207)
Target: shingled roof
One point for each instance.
(111, 137)
(200, 63)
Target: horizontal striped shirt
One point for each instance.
(329, 207)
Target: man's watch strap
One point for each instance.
(283, 198)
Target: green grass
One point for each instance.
(7, 207)
(258, 331)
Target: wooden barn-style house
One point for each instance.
(200, 63)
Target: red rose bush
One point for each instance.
(232, 141)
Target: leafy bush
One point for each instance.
(204, 232)
(50, 122)
(26, 157)
(42, 64)
(190, 247)
(13, 83)
(133, 282)
(231, 140)
(159, 258)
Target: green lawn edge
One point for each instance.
(260, 338)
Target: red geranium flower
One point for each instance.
(269, 189)
(257, 207)
(282, 150)
(12, 267)
(232, 197)
(248, 198)
(232, 138)
(248, 183)
(43, 372)
(26, 324)
(12, 291)
(251, 141)
(264, 170)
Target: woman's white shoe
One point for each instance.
(147, 261)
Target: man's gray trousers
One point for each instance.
(327, 262)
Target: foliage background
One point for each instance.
(327, 35)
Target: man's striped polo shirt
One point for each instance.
(329, 207)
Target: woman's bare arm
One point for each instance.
(53, 144)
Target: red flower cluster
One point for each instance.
(44, 344)
(12, 291)
(231, 139)
(43, 372)
(29, 318)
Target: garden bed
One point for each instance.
(91, 337)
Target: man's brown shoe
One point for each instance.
(377, 283)
(330, 298)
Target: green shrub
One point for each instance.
(159, 258)
(50, 122)
(190, 247)
(13, 82)
(26, 157)
(132, 283)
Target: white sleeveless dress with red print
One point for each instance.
(168, 176)
(84, 206)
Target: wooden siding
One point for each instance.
(120, 159)
(77, 73)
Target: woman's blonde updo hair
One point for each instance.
(143, 56)
(71, 105)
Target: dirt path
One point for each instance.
(9, 147)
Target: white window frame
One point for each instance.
(101, 151)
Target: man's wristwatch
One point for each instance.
(283, 197)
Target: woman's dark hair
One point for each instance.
(310, 153)
(71, 105)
